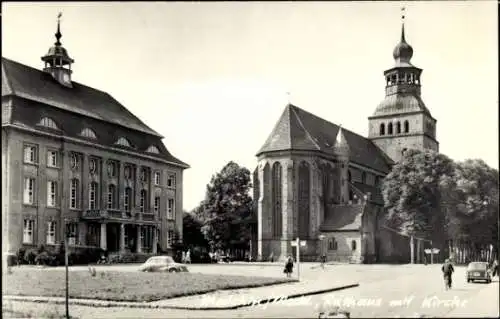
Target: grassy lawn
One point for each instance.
(125, 286)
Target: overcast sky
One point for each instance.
(212, 77)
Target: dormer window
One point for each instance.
(88, 133)
(49, 123)
(153, 149)
(123, 142)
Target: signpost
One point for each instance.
(298, 243)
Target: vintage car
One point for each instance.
(478, 271)
(162, 264)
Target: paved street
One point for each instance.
(384, 291)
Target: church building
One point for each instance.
(322, 183)
(76, 161)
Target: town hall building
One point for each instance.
(322, 183)
(75, 159)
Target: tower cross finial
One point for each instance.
(403, 11)
(58, 33)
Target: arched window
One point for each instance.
(123, 142)
(389, 129)
(332, 244)
(304, 203)
(153, 149)
(48, 122)
(398, 127)
(407, 126)
(363, 177)
(353, 245)
(88, 133)
(382, 129)
(277, 187)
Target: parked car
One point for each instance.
(478, 271)
(162, 264)
(201, 258)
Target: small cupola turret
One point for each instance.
(57, 61)
(341, 146)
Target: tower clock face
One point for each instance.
(65, 77)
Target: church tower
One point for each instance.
(402, 121)
(57, 61)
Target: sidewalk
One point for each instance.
(220, 300)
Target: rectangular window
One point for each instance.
(170, 208)
(157, 204)
(51, 233)
(73, 203)
(157, 178)
(28, 231)
(51, 193)
(29, 190)
(128, 195)
(52, 159)
(111, 196)
(142, 202)
(170, 237)
(171, 181)
(30, 154)
(93, 196)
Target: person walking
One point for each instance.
(447, 270)
(323, 261)
(289, 267)
(188, 256)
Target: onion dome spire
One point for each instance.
(403, 52)
(58, 33)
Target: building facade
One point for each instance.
(74, 158)
(322, 183)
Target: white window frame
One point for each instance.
(93, 193)
(73, 193)
(52, 158)
(170, 208)
(171, 180)
(128, 198)
(28, 231)
(111, 196)
(29, 191)
(157, 204)
(30, 152)
(142, 200)
(51, 193)
(51, 233)
(157, 178)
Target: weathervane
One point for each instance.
(403, 14)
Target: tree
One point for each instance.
(474, 217)
(413, 193)
(193, 236)
(227, 210)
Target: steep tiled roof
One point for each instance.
(298, 129)
(98, 110)
(376, 194)
(344, 217)
(33, 84)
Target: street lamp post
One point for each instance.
(321, 237)
(66, 234)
